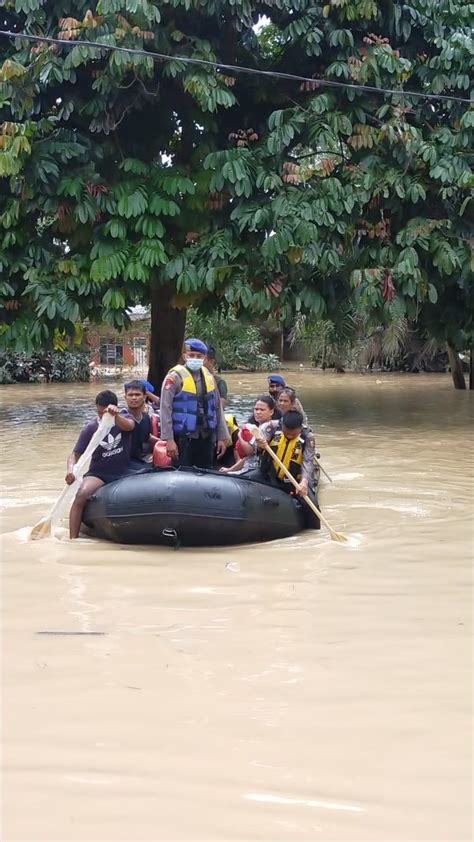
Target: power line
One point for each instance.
(233, 68)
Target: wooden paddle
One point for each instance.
(318, 463)
(43, 528)
(335, 536)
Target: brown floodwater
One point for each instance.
(297, 690)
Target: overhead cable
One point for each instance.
(234, 68)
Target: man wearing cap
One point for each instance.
(151, 398)
(275, 384)
(192, 417)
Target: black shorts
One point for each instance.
(105, 480)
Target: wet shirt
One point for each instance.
(171, 386)
(111, 457)
(140, 435)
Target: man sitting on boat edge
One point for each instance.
(109, 460)
(143, 440)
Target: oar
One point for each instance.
(318, 463)
(43, 527)
(335, 536)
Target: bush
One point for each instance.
(238, 345)
(47, 366)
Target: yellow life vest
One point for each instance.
(189, 384)
(232, 427)
(185, 403)
(290, 452)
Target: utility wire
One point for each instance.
(233, 68)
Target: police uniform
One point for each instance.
(297, 456)
(192, 415)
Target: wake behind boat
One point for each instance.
(191, 507)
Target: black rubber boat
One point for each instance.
(191, 507)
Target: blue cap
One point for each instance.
(275, 378)
(148, 386)
(196, 345)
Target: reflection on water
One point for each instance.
(297, 690)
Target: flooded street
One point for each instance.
(297, 690)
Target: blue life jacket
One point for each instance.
(186, 407)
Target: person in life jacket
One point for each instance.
(229, 456)
(294, 444)
(191, 414)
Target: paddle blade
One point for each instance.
(41, 529)
(338, 536)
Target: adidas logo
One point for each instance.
(111, 441)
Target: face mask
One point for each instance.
(194, 364)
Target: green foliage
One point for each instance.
(51, 366)
(120, 174)
(237, 344)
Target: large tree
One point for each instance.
(130, 180)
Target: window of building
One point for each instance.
(111, 354)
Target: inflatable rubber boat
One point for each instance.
(191, 507)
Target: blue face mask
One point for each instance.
(194, 363)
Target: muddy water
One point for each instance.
(299, 690)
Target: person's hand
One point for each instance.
(261, 442)
(112, 409)
(224, 470)
(303, 489)
(172, 449)
(221, 448)
(70, 478)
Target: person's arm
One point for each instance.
(151, 398)
(236, 467)
(307, 467)
(222, 429)
(72, 459)
(171, 386)
(124, 422)
(81, 444)
(266, 432)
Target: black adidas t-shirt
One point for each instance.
(111, 457)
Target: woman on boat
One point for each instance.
(263, 410)
(287, 400)
(245, 445)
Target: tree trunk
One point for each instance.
(455, 366)
(167, 334)
(471, 369)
